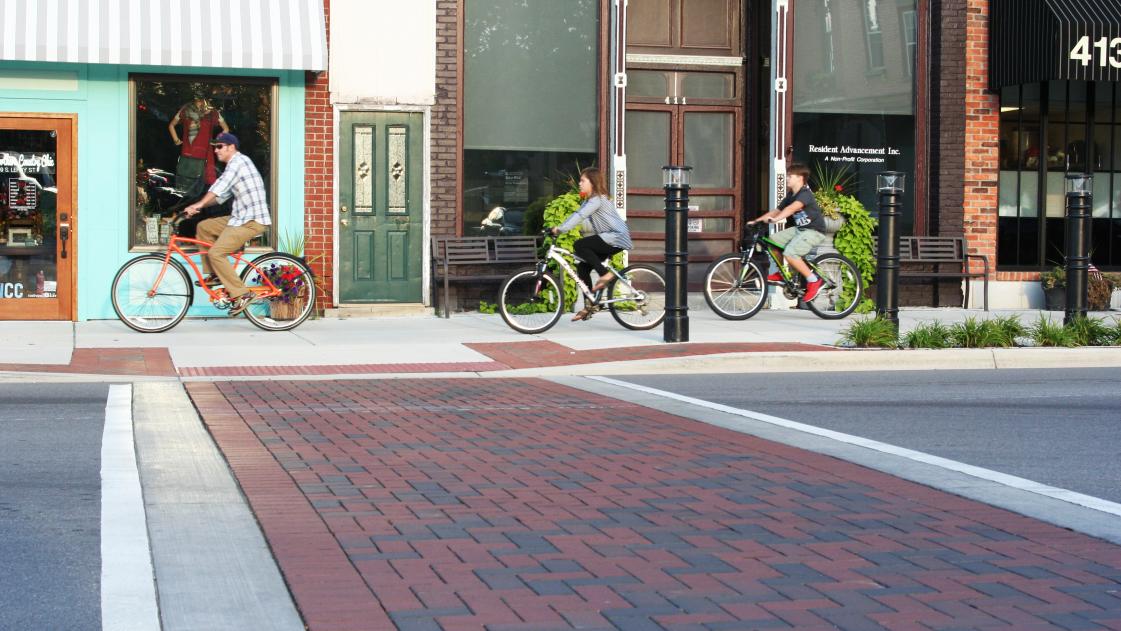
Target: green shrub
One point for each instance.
(871, 333)
(486, 307)
(974, 333)
(1045, 332)
(867, 305)
(1115, 333)
(1090, 332)
(929, 335)
(1010, 330)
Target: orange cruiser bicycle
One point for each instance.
(152, 292)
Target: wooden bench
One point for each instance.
(936, 252)
(450, 252)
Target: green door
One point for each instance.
(380, 207)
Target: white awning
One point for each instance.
(273, 34)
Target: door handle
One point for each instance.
(343, 209)
(64, 233)
(344, 222)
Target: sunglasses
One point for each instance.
(220, 146)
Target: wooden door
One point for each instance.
(705, 137)
(381, 207)
(38, 222)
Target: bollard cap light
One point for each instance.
(892, 181)
(676, 175)
(1080, 183)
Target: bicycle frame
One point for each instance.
(555, 253)
(267, 291)
(789, 279)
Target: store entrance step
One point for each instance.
(379, 310)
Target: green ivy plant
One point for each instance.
(556, 212)
(854, 239)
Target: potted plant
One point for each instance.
(289, 280)
(1054, 284)
(851, 223)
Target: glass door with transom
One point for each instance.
(37, 217)
(381, 207)
(705, 137)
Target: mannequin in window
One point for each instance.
(192, 128)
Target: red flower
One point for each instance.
(838, 188)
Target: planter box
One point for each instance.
(1055, 299)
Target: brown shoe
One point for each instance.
(241, 302)
(582, 314)
(210, 281)
(602, 281)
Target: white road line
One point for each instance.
(1011, 481)
(128, 589)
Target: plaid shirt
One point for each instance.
(242, 180)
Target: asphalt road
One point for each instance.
(1058, 427)
(50, 498)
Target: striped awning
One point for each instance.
(1042, 40)
(272, 34)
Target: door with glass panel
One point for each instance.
(381, 207)
(705, 137)
(37, 217)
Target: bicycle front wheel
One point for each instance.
(530, 302)
(147, 302)
(843, 288)
(643, 303)
(735, 289)
(297, 291)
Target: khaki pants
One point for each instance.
(226, 239)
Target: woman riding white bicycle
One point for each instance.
(606, 234)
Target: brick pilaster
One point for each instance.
(318, 167)
(982, 131)
(445, 121)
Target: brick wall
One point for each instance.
(982, 130)
(318, 169)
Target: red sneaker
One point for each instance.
(812, 288)
(775, 279)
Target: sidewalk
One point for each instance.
(480, 344)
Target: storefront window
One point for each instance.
(174, 119)
(530, 116)
(857, 118)
(1046, 131)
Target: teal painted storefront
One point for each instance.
(100, 99)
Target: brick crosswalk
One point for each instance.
(525, 505)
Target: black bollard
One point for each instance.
(890, 185)
(1080, 198)
(676, 182)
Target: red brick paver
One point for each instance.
(522, 504)
(107, 361)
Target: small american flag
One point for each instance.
(1094, 272)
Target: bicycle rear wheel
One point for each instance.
(734, 289)
(645, 306)
(297, 291)
(843, 288)
(148, 307)
(530, 302)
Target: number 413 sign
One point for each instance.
(1099, 52)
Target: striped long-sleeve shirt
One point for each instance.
(242, 180)
(605, 221)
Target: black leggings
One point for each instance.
(593, 250)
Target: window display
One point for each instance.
(28, 268)
(175, 118)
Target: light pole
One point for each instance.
(1079, 190)
(675, 179)
(890, 184)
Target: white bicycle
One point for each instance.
(532, 299)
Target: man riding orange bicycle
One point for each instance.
(248, 219)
